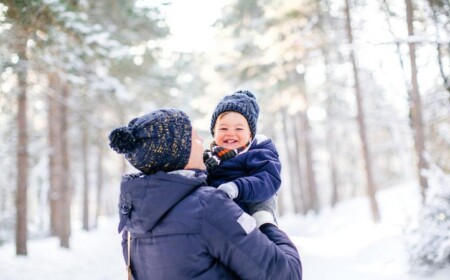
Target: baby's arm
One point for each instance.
(264, 178)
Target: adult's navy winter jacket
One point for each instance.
(255, 172)
(181, 229)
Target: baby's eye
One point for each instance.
(222, 128)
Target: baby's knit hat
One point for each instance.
(242, 102)
(158, 141)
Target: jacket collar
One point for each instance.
(145, 199)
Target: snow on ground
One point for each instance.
(343, 243)
(340, 243)
(94, 255)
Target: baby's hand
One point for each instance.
(230, 188)
(264, 211)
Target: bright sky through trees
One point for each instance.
(191, 23)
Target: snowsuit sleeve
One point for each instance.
(264, 179)
(232, 238)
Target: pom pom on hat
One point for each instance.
(121, 140)
(246, 92)
(158, 141)
(242, 102)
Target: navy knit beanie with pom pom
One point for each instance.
(158, 141)
(242, 102)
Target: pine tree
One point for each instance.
(430, 240)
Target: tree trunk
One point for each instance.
(99, 182)
(298, 159)
(397, 43)
(371, 189)
(293, 171)
(416, 106)
(309, 164)
(325, 22)
(270, 132)
(444, 76)
(59, 192)
(331, 141)
(54, 161)
(64, 205)
(84, 156)
(333, 171)
(310, 174)
(22, 154)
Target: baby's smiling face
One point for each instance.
(231, 130)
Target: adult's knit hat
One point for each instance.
(158, 141)
(242, 102)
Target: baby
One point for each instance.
(239, 162)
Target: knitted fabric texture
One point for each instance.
(217, 154)
(242, 102)
(158, 141)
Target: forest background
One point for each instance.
(354, 93)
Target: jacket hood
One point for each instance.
(144, 199)
(262, 142)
